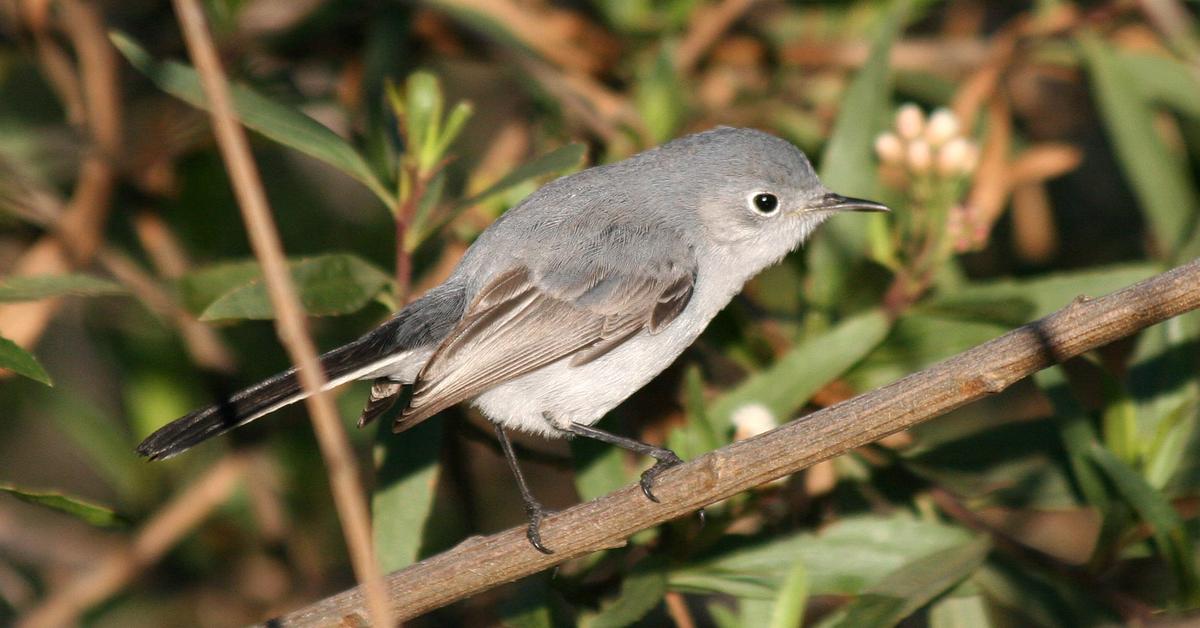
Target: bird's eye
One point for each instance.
(765, 203)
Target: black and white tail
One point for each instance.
(423, 323)
(341, 365)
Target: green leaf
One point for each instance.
(1078, 437)
(960, 611)
(1153, 507)
(35, 287)
(86, 511)
(529, 607)
(1159, 177)
(793, 597)
(641, 591)
(199, 288)
(328, 285)
(275, 121)
(557, 161)
(599, 468)
(848, 165)
(917, 341)
(907, 589)
(697, 435)
(1119, 420)
(454, 125)
(843, 559)
(21, 362)
(657, 95)
(787, 384)
(1163, 80)
(1163, 383)
(1046, 293)
(423, 117)
(406, 485)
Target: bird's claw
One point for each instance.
(666, 462)
(536, 514)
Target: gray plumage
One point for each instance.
(576, 297)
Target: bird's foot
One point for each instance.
(664, 460)
(536, 513)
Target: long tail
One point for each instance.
(423, 322)
(350, 362)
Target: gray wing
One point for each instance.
(520, 322)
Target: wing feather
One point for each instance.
(516, 325)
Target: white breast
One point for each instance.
(583, 394)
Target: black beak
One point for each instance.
(839, 203)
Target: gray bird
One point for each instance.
(573, 299)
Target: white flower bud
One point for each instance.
(889, 148)
(952, 157)
(752, 419)
(943, 127)
(910, 121)
(920, 156)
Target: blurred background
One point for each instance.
(1033, 152)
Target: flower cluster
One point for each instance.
(923, 146)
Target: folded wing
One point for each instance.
(518, 324)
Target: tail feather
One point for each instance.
(423, 323)
(353, 361)
(240, 408)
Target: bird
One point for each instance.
(573, 299)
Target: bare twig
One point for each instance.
(290, 323)
(97, 89)
(481, 563)
(707, 26)
(111, 573)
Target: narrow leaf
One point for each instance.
(86, 511)
(327, 284)
(403, 499)
(843, 559)
(199, 288)
(21, 362)
(1159, 177)
(1163, 81)
(792, 598)
(1153, 507)
(909, 588)
(787, 384)
(848, 167)
(960, 611)
(273, 120)
(641, 591)
(33, 288)
(558, 161)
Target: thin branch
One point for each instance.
(289, 322)
(95, 84)
(113, 572)
(709, 23)
(481, 563)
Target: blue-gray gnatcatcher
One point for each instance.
(574, 299)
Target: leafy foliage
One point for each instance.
(1051, 154)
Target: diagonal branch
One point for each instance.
(480, 563)
(289, 322)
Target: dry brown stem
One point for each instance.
(289, 321)
(113, 572)
(95, 83)
(481, 563)
(707, 25)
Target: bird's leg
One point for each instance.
(533, 508)
(665, 458)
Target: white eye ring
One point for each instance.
(763, 203)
